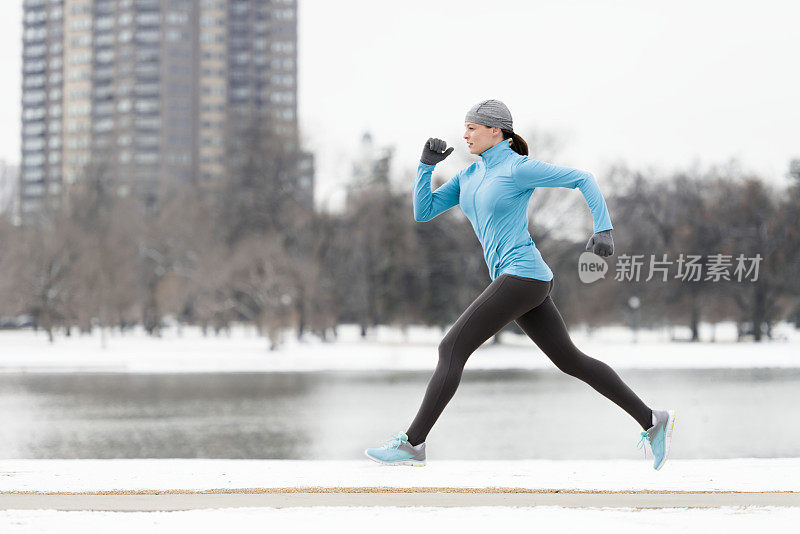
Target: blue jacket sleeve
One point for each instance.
(428, 205)
(530, 173)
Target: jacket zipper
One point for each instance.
(474, 205)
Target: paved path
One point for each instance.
(386, 496)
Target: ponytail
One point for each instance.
(517, 143)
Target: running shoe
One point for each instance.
(398, 451)
(658, 436)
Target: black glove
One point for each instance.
(432, 152)
(601, 243)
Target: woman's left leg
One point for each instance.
(545, 326)
(505, 299)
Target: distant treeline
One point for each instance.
(250, 251)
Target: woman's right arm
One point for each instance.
(428, 205)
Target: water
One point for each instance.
(500, 415)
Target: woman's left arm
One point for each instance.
(530, 173)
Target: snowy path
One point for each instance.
(360, 497)
(208, 495)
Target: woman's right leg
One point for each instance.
(545, 326)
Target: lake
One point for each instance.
(500, 415)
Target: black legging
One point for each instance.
(526, 301)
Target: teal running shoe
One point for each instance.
(658, 436)
(398, 451)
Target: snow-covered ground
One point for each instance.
(98, 475)
(741, 474)
(386, 349)
(394, 520)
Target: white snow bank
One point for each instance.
(244, 350)
(745, 474)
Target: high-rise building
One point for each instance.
(149, 91)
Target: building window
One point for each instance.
(147, 140)
(82, 41)
(284, 14)
(35, 51)
(146, 158)
(34, 66)
(33, 97)
(81, 9)
(104, 125)
(147, 89)
(104, 108)
(35, 160)
(33, 144)
(34, 17)
(175, 36)
(34, 34)
(147, 123)
(81, 24)
(106, 56)
(77, 58)
(36, 174)
(104, 39)
(177, 17)
(146, 106)
(79, 109)
(34, 128)
(34, 81)
(282, 46)
(33, 113)
(148, 19)
(148, 36)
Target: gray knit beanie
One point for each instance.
(492, 113)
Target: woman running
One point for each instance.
(493, 193)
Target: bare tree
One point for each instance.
(36, 271)
(260, 280)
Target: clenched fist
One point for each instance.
(434, 151)
(601, 243)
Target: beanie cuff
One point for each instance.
(492, 122)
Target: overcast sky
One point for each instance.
(656, 84)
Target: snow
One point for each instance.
(199, 474)
(391, 520)
(741, 474)
(386, 349)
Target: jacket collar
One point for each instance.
(497, 153)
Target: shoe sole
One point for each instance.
(414, 463)
(667, 437)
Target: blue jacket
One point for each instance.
(493, 193)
